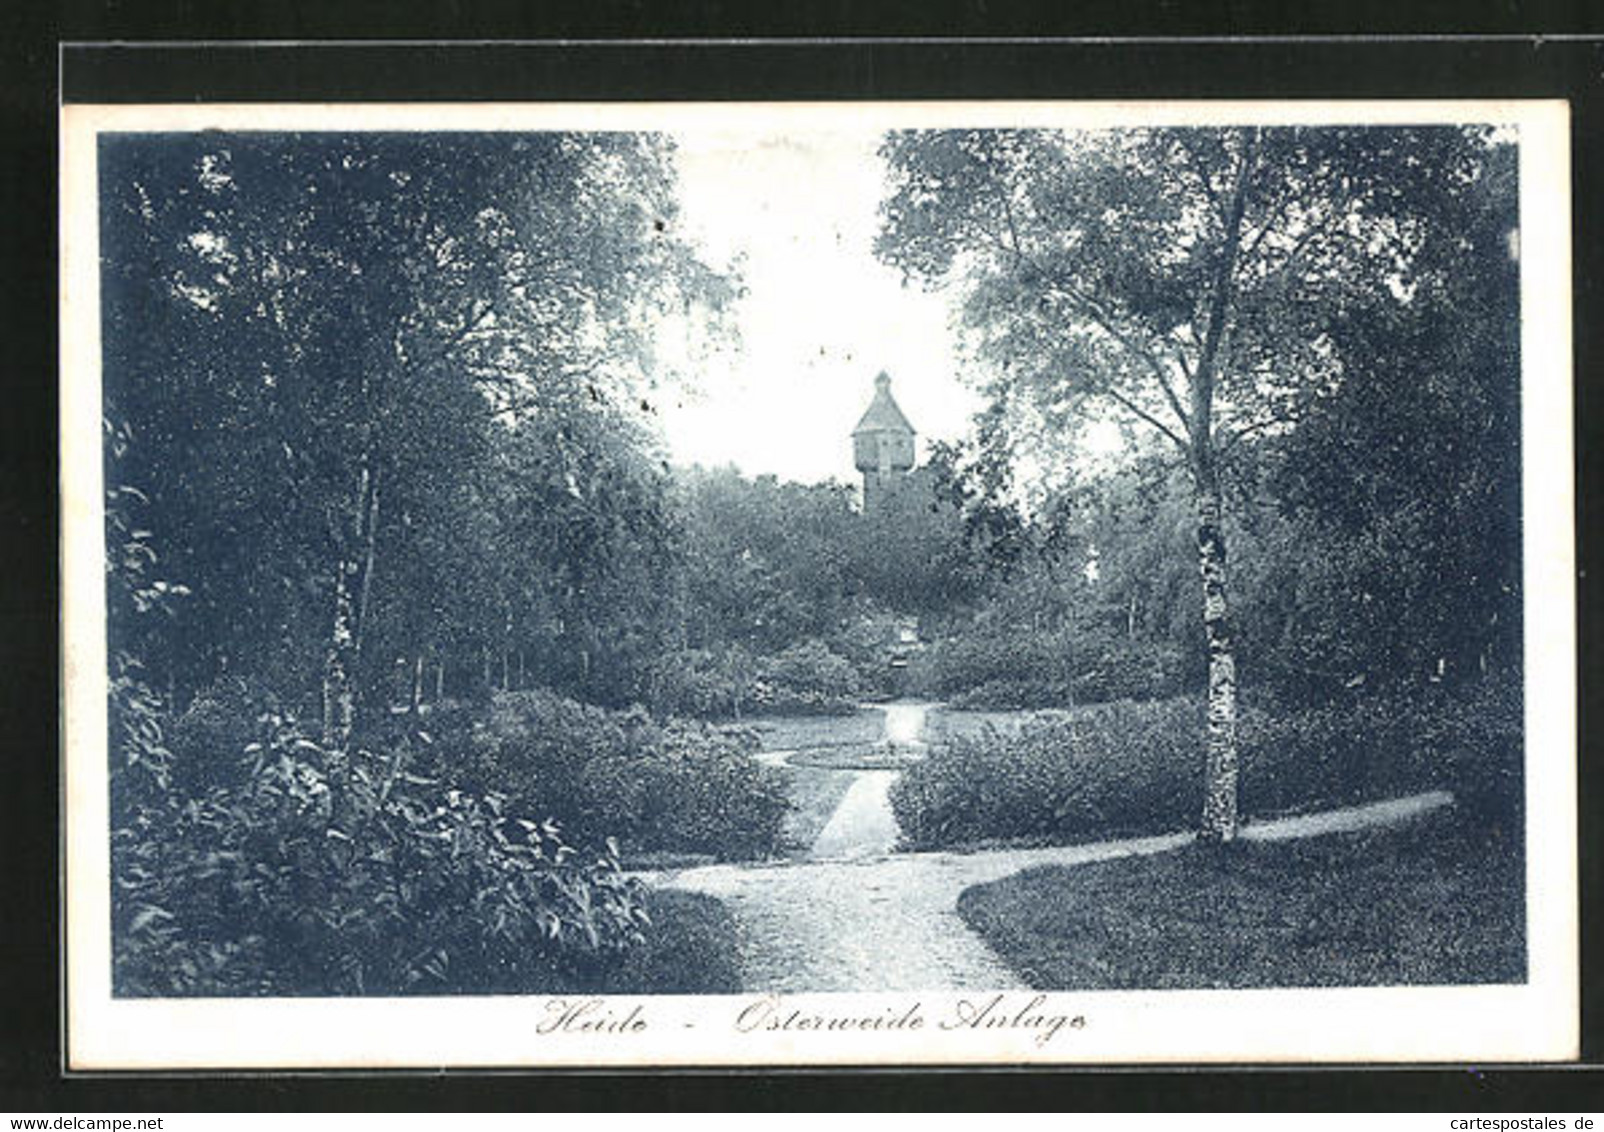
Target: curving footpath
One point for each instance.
(858, 916)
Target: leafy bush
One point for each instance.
(1116, 667)
(1129, 767)
(702, 683)
(208, 740)
(805, 679)
(692, 949)
(1467, 741)
(865, 642)
(810, 667)
(1118, 768)
(1016, 694)
(995, 667)
(327, 874)
(678, 786)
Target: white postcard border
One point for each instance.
(1534, 1022)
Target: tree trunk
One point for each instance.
(353, 569)
(339, 696)
(439, 681)
(1220, 754)
(1220, 765)
(369, 548)
(417, 684)
(506, 652)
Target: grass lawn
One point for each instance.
(799, 732)
(1427, 902)
(815, 792)
(692, 949)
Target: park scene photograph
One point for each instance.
(799, 556)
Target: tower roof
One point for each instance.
(882, 415)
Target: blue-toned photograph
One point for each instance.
(773, 559)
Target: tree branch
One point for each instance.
(1220, 299)
(1138, 411)
(1094, 310)
(1236, 436)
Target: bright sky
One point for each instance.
(821, 315)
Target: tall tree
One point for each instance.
(319, 336)
(1185, 279)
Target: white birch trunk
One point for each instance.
(1220, 753)
(339, 696)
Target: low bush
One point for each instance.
(1130, 767)
(702, 683)
(988, 669)
(1014, 694)
(207, 741)
(867, 642)
(691, 948)
(677, 787)
(805, 679)
(1468, 741)
(1119, 767)
(321, 873)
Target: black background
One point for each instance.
(819, 51)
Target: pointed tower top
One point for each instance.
(883, 414)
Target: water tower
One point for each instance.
(882, 446)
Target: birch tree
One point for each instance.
(1182, 280)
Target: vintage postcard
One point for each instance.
(818, 584)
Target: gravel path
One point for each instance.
(862, 825)
(857, 916)
(891, 923)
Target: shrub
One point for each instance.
(1017, 694)
(865, 641)
(1122, 667)
(702, 683)
(208, 740)
(994, 666)
(328, 874)
(805, 679)
(1118, 768)
(810, 671)
(1468, 741)
(1129, 767)
(679, 786)
(1477, 748)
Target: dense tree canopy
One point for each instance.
(386, 378)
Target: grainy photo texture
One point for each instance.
(972, 566)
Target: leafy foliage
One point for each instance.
(321, 873)
(1131, 767)
(678, 787)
